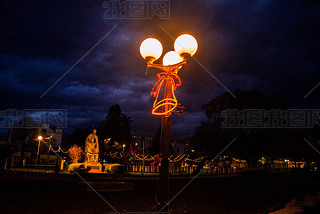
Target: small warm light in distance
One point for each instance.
(186, 44)
(151, 47)
(136, 144)
(40, 138)
(171, 58)
(124, 145)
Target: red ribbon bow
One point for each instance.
(163, 76)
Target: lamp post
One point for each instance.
(123, 146)
(48, 153)
(39, 139)
(165, 103)
(143, 156)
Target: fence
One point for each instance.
(182, 170)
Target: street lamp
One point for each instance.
(123, 146)
(185, 46)
(39, 139)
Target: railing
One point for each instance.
(182, 170)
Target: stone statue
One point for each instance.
(92, 148)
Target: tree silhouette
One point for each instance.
(116, 126)
(78, 137)
(251, 143)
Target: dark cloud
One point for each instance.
(267, 45)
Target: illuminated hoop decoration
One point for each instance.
(170, 73)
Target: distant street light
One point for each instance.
(39, 139)
(124, 145)
(151, 49)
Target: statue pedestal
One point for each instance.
(95, 167)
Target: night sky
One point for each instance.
(272, 46)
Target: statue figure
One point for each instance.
(92, 148)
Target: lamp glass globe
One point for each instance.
(151, 47)
(186, 44)
(171, 58)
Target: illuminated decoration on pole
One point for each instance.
(170, 73)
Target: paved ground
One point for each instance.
(252, 192)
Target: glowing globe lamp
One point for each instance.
(171, 58)
(186, 45)
(151, 49)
